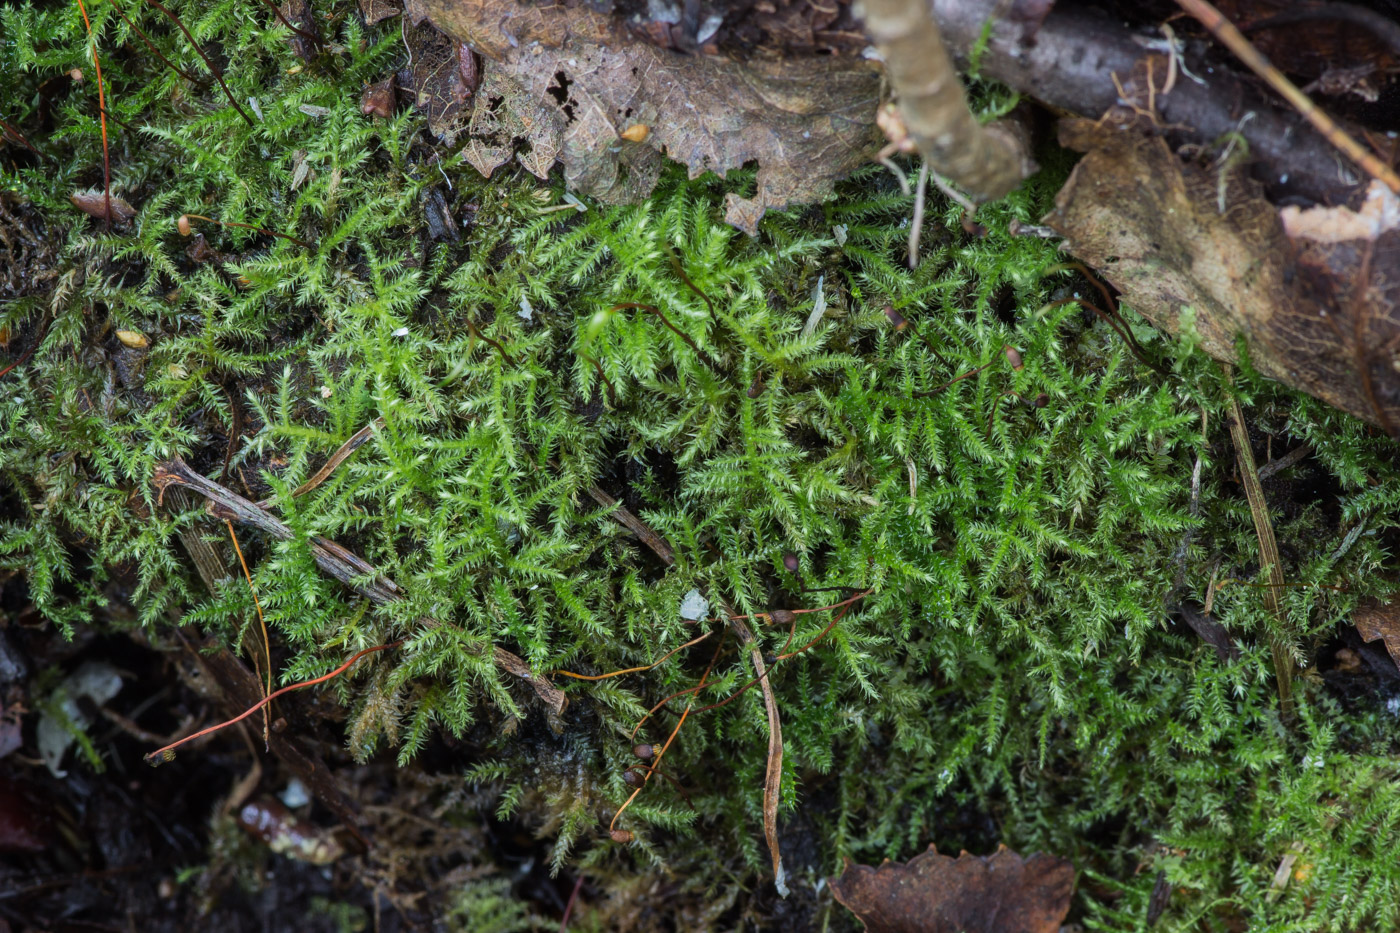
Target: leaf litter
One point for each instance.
(575, 85)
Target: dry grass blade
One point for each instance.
(1234, 40)
(342, 453)
(773, 777)
(1268, 555)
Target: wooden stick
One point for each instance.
(1234, 40)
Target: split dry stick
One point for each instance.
(986, 161)
(1234, 40)
(266, 641)
(1268, 556)
(337, 561)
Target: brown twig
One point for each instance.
(266, 641)
(569, 907)
(1234, 40)
(213, 69)
(337, 561)
(343, 452)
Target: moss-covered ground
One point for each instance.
(1014, 677)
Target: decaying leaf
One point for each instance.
(442, 77)
(1315, 293)
(378, 99)
(570, 80)
(1376, 620)
(375, 11)
(298, 13)
(93, 204)
(932, 893)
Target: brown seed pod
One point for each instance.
(644, 751)
(790, 562)
(636, 133)
(1042, 400)
(183, 225)
(1013, 356)
(895, 317)
(633, 778)
(783, 616)
(622, 836)
(756, 387)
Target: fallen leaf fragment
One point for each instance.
(570, 81)
(93, 204)
(1378, 621)
(378, 99)
(133, 339)
(442, 77)
(1313, 292)
(298, 13)
(932, 893)
(376, 10)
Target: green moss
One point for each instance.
(1012, 677)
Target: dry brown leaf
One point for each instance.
(93, 204)
(933, 893)
(378, 99)
(375, 11)
(569, 80)
(1376, 620)
(549, 694)
(299, 14)
(1321, 315)
(133, 339)
(442, 76)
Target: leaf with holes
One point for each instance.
(573, 83)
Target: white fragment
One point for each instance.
(96, 680)
(663, 12)
(708, 28)
(694, 606)
(527, 311)
(839, 232)
(818, 307)
(312, 110)
(570, 198)
(295, 795)
(253, 102)
(401, 332)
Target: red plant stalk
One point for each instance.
(102, 113)
(167, 753)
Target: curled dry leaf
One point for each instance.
(570, 81)
(1376, 620)
(932, 893)
(93, 204)
(1315, 293)
(378, 99)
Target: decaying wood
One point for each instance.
(337, 561)
(1068, 63)
(987, 161)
